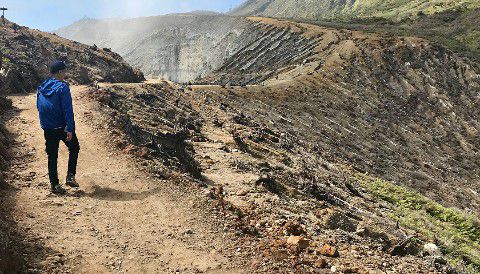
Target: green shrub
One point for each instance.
(458, 232)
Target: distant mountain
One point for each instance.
(203, 12)
(323, 9)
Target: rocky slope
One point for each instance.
(156, 123)
(350, 151)
(291, 207)
(178, 47)
(26, 55)
(380, 99)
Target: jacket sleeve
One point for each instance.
(67, 108)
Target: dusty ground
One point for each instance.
(122, 220)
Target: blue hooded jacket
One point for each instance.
(54, 104)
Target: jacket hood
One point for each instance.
(50, 86)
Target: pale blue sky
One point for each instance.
(50, 15)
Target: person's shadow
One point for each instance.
(110, 194)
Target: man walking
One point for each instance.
(54, 104)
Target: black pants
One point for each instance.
(52, 142)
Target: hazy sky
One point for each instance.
(49, 15)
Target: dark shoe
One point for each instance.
(58, 189)
(71, 182)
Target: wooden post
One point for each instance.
(3, 13)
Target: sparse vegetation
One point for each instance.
(457, 232)
(5, 60)
(3, 51)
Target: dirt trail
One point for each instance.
(121, 221)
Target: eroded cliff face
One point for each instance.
(453, 23)
(181, 55)
(178, 47)
(277, 49)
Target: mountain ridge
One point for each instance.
(455, 23)
(337, 9)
